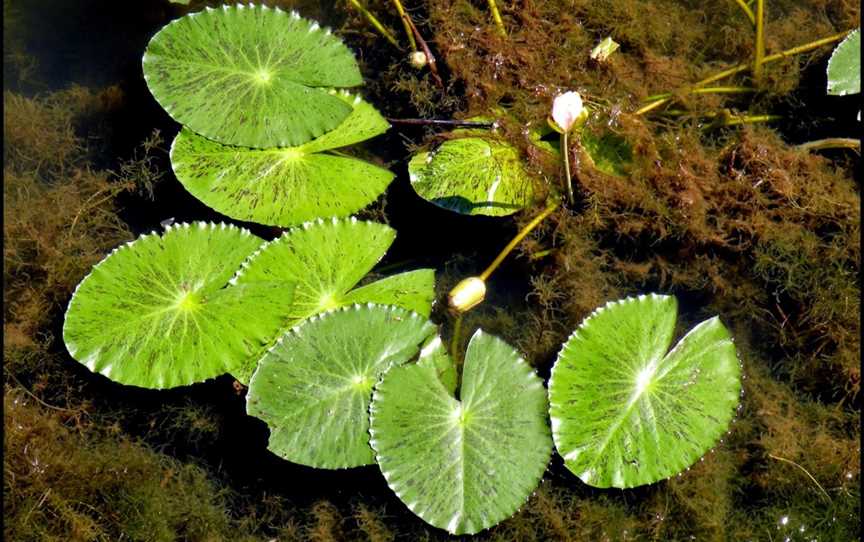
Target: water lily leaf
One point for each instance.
(326, 259)
(156, 312)
(844, 66)
(625, 410)
(434, 354)
(609, 152)
(250, 75)
(473, 176)
(462, 464)
(284, 186)
(314, 387)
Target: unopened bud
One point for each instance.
(418, 59)
(467, 294)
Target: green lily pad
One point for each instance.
(844, 67)
(462, 464)
(325, 260)
(473, 176)
(609, 152)
(156, 312)
(250, 75)
(314, 387)
(625, 410)
(284, 186)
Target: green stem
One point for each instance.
(734, 120)
(376, 23)
(747, 11)
(515, 241)
(496, 15)
(744, 67)
(454, 342)
(403, 16)
(565, 152)
(831, 143)
(705, 90)
(759, 55)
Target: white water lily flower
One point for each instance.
(568, 110)
(467, 294)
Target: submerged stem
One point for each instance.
(744, 67)
(759, 54)
(831, 143)
(376, 23)
(747, 11)
(444, 122)
(822, 489)
(496, 15)
(403, 15)
(515, 241)
(565, 153)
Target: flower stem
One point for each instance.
(376, 23)
(759, 55)
(515, 241)
(747, 11)
(744, 67)
(403, 15)
(496, 15)
(565, 152)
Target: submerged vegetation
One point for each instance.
(731, 219)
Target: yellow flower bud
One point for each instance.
(467, 294)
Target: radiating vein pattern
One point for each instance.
(250, 75)
(314, 387)
(462, 464)
(157, 313)
(626, 411)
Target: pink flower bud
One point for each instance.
(568, 111)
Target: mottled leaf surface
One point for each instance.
(462, 464)
(284, 186)
(473, 176)
(250, 75)
(325, 260)
(624, 411)
(844, 67)
(156, 313)
(314, 387)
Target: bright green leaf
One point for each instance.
(462, 464)
(284, 186)
(473, 176)
(610, 152)
(844, 67)
(250, 75)
(156, 313)
(314, 387)
(326, 259)
(625, 410)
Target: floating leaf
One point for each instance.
(314, 387)
(284, 186)
(326, 259)
(462, 464)
(473, 176)
(624, 411)
(156, 313)
(610, 152)
(844, 67)
(250, 75)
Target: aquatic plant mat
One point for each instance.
(731, 220)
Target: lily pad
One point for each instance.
(609, 152)
(844, 67)
(284, 186)
(473, 176)
(462, 464)
(625, 410)
(250, 75)
(326, 259)
(156, 312)
(314, 387)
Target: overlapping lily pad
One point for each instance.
(326, 259)
(844, 67)
(462, 464)
(250, 75)
(314, 387)
(473, 176)
(157, 313)
(285, 186)
(625, 410)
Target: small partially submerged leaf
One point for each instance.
(473, 176)
(250, 75)
(314, 387)
(157, 313)
(844, 66)
(284, 186)
(462, 464)
(326, 259)
(610, 152)
(625, 410)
